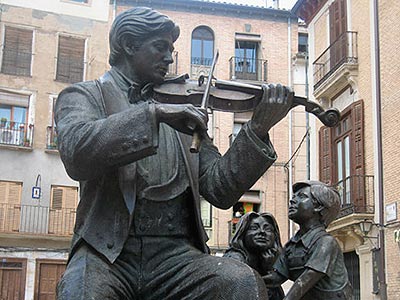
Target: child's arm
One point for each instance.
(302, 284)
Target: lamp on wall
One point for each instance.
(366, 227)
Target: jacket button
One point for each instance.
(110, 245)
(145, 139)
(170, 227)
(170, 216)
(134, 142)
(142, 227)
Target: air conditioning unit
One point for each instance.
(10, 137)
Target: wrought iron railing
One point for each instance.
(52, 138)
(16, 134)
(248, 69)
(356, 194)
(201, 61)
(36, 219)
(341, 51)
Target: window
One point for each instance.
(52, 137)
(303, 43)
(14, 127)
(10, 209)
(202, 46)
(250, 201)
(63, 210)
(236, 128)
(70, 59)
(246, 60)
(17, 51)
(342, 156)
(206, 212)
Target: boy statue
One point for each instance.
(312, 257)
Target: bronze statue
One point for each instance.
(257, 243)
(138, 232)
(312, 257)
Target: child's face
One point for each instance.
(301, 206)
(260, 235)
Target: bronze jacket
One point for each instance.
(96, 146)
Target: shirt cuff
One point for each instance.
(266, 146)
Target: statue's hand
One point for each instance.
(276, 102)
(185, 118)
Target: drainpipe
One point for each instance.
(307, 122)
(376, 82)
(114, 9)
(290, 166)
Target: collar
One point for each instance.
(308, 237)
(131, 88)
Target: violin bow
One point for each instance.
(196, 140)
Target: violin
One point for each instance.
(231, 96)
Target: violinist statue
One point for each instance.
(257, 242)
(138, 232)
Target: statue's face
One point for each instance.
(301, 206)
(260, 235)
(152, 59)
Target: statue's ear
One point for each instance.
(128, 46)
(319, 208)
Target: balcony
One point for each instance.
(38, 220)
(336, 67)
(200, 66)
(247, 69)
(356, 195)
(16, 134)
(51, 138)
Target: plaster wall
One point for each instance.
(95, 9)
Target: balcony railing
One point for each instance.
(356, 195)
(52, 138)
(16, 134)
(36, 219)
(247, 69)
(342, 51)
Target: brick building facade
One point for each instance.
(352, 57)
(49, 44)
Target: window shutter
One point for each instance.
(70, 60)
(63, 212)
(3, 190)
(71, 195)
(357, 154)
(57, 198)
(10, 210)
(17, 51)
(325, 150)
